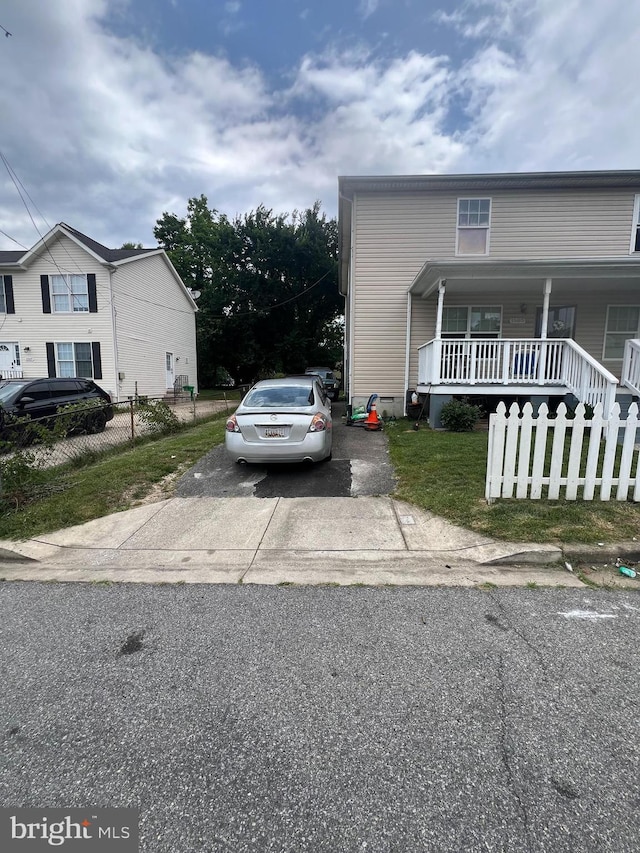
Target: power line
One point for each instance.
(268, 308)
(17, 184)
(13, 240)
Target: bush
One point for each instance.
(457, 416)
(158, 417)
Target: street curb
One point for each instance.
(538, 556)
(9, 556)
(606, 553)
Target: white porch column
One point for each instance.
(542, 361)
(442, 286)
(545, 309)
(437, 347)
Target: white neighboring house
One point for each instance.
(70, 306)
(496, 286)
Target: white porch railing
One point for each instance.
(14, 373)
(529, 362)
(631, 366)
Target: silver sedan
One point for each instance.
(282, 420)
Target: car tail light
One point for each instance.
(318, 423)
(232, 424)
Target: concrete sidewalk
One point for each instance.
(363, 540)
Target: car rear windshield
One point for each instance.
(285, 396)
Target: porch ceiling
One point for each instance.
(578, 274)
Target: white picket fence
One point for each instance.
(529, 454)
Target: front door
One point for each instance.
(169, 369)
(8, 365)
(561, 323)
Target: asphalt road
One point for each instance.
(327, 720)
(360, 466)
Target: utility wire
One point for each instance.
(17, 184)
(267, 308)
(13, 240)
(20, 187)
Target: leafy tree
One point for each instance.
(130, 245)
(269, 297)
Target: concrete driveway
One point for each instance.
(360, 466)
(333, 522)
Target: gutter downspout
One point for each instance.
(114, 328)
(349, 324)
(407, 355)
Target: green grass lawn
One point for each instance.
(444, 473)
(220, 394)
(441, 472)
(116, 481)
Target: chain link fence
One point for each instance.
(29, 446)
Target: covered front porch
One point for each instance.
(513, 367)
(496, 354)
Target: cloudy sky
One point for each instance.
(113, 111)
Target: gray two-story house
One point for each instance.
(489, 287)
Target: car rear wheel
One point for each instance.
(96, 422)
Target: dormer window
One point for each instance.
(474, 218)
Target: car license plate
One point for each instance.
(274, 432)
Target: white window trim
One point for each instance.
(635, 226)
(3, 295)
(52, 295)
(606, 331)
(75, 360)
(468, 335)
(487, 227)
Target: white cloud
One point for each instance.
(560, 96)
(368, 7)
(106, 133)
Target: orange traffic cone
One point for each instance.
(371, 421)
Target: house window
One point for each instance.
(70, 293)
(623, 323)
(74, 360)
(635, 233)
(3, 299)
(472, 322)
(474, 217)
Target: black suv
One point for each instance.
(41, 398)
(331, 384)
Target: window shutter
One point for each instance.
(97, 359)
(93, 294)
(46, 298)
(51, 358)
(8, 294)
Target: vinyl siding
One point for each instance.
(591, 317)
(396, 233)
(153, 316)
(30, 327)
